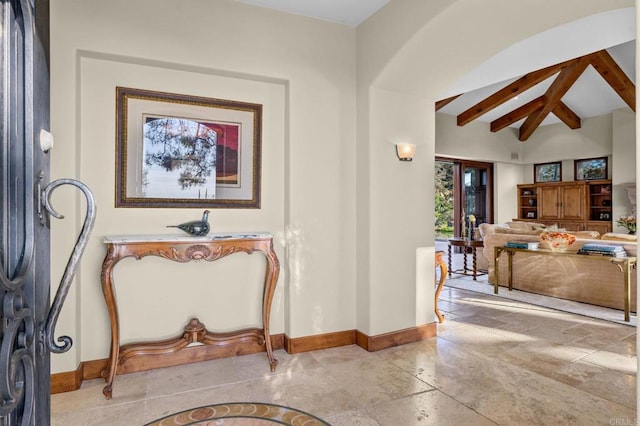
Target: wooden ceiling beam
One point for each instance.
(568, 117)
(517, 114)
(514, 89)
(554, 93)
(443, 102)
(617, 79)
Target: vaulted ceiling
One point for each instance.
(562, 77)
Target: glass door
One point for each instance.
(475, 198)
(464, 197)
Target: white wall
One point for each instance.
(301, 70)
(623, 159)
(475, 141)
(558, 142)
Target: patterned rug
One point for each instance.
(240, 414)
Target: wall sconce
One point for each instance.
(405, 151)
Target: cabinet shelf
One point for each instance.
(573, 205)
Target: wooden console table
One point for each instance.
(184, 249)
(625, 264)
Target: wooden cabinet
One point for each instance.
(562, 201)
(574, 206)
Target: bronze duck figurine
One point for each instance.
(197, 228)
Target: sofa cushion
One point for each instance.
(593, 235)
(527, 226)
(488, 228)
(612, 236)
(524, 226)
(517, 231)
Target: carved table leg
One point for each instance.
(475, 270)
(109, 296)
(464, 260)
(270, 280)
(443, 278)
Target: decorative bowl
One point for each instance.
(557, 241)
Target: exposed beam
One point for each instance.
(517, 114)
(514, 89)
(568, 117)
(554, 93)
(617, 79)
(443, 102)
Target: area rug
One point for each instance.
(599, 312)
(240, 414)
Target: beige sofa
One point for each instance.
(587, 279)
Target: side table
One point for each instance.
(466, 245)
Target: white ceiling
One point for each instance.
(590, 96)
(348, 12)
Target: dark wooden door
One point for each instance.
(24, 234)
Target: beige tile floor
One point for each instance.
(494, 362)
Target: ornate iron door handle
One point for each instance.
(72, 264)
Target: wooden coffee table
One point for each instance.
(467, 245)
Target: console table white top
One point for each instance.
(183, 238)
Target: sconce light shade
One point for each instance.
(405, 151)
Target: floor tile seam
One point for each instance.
(633, 406)
(592, 347)
(544, 377)
(221, 385)
(491, 330)
(469, 348)
(411, 372)
(97, 408)
(367, 408)
(576, 387)
(461, 403)
(565, 310)
(362, 410)
(609, 369)
(504, 333)
(509, 356)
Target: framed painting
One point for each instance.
(591, 168)
(176, 150)
(547, 172)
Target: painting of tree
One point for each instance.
(179, 152)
